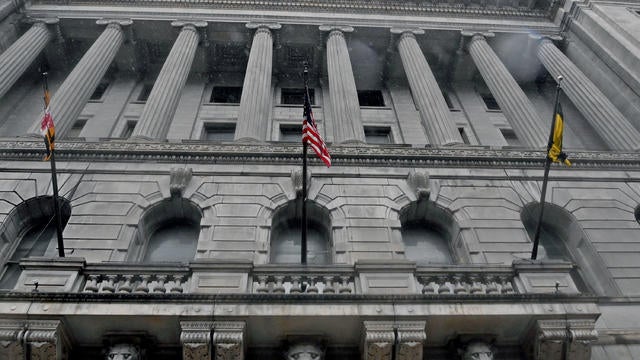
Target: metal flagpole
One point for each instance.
(545, 178)
(303, 242)
(54, 177)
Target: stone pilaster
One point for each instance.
(411, 337)
(72, 96)
(229, 340)
(515, 105)
(605, 118)
(196, 339)
(11, 336)
(165, 95)
(255, 102)
(433, 109)
(47, 340)
(563, 339)
(378, 339)
(345, 107)
(19, 56)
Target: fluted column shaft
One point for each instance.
(433, 108)
(17, 58)
(255, 102)
(605, 118)
(515, 105)
(342, 88)
(72, 96)
(165, 95)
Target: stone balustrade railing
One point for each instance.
(466, 280)
(299, 280)
(136, 280)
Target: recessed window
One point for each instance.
(427, 232)
(219, 132)
(77, 127)
(128, 129)
(98, 93)
(175, 241)
(226, 94)
(295, 96)
(144, 92)
(370, 98)
(510, 137)
(290, 133)
(463, 135)
(490, 102)
(447, 99)
(377, 135)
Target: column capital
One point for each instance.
(341, 28)
(186, 23)
(121, 22)
(402, 31)
(45, 21)
(540, 37)
(257, 25)
(471, 34)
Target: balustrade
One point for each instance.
(304, 282)
(161, 283)
(467, 281)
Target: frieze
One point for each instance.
(477, 8)
(277, 153)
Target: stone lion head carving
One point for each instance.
(304, 351)
(477, 350)
(123, 352)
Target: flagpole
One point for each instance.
(54, 178)
(545, 178)
(303, 242)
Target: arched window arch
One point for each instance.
(29, 230)
(428, 232)
(167, 232)
(286, 232)
(563, 239)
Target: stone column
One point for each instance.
(515, 105)
(229, 340)
(433, 109)
(605, 118)
(255, 102)
(165, 95)
(72, 96)
(347, 119)
(196, 339)
(19, 56)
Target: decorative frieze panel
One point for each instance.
(229, 340)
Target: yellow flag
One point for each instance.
(555, 146)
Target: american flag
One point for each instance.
(310, 134)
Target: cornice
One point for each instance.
(281, 153)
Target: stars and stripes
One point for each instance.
(310, 134)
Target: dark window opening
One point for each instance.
(447, 99)
(377, 135)
(490, 102)
(219, 132)
(128, 129)
(174, 241)
(510, 137)
(226, 94)
(370, 98)
(463, 135)
(145, 92)
(290, 133)
(296, 96)
(77, 127)
(98, 93)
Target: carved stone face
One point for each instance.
(478, 351)
(304, 351)
(123, 352)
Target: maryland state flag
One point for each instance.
(46, 128)
(554, 151)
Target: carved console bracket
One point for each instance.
(179, 179)
(229, 340)
(418, 182)
(11, 339)
(47, 339)
(196, 339)
(382, 338)
(563, 339)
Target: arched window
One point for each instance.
(427, 233)
(286, 232)
(32, 224)
(168, 232)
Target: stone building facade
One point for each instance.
(178, 153)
